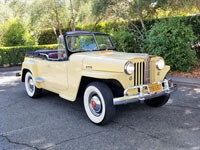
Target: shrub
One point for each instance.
(14, 35)
(15, 55)
(47, 37)
(125, 41)
(172, 40)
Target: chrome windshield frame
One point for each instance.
(94, 36)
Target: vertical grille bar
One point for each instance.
(136, 75)
(139, 73)
(147, 71)
(141, 70)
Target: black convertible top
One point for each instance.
(84, 32)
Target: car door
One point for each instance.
(54, 74)
(54, 71)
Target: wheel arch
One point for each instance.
(113, 84)
(24, 71)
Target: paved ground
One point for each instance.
(192, 82)
(53, 123)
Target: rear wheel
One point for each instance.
(98, 103)
(31, 89)
(158, 101)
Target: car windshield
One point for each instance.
(89, 42)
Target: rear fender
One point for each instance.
(29, 65)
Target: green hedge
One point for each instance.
(15, 55)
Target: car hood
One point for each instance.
(111, 61)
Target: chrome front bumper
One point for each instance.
(168, 87)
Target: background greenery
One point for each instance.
(172, 39)
(15, 55)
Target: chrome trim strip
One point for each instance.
(39, 79)
(31, 61)
(168, 88)
(47, 56)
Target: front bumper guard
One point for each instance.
(168, 87)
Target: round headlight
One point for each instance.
(129, 68)
(160, 63)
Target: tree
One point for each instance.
(5, 12)
(14, 35)
(127, 10)
(72, 16)
(75, 7)
(109, 10)
(191, 3)
(138, 7)
(49, 14)
(180, 7)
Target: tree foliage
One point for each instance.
(125, 40)
(14, 35)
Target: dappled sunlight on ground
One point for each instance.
(8, 79)
(188, 92)
(197, 90)
(2, 91)
(188, 111)
(196, 148)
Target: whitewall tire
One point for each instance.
(98, 103)
(31, 89)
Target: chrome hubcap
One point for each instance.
(95, 105)
(30, 84)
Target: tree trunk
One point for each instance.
(60, 31)
(72, 16)
(59, 27)
(141, 20)
(97, 21)
(54, 30)
(140, 15)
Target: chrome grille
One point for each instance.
(139, 73)
(142, 72)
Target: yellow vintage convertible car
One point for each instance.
(86, 64)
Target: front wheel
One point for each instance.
(158, 101)
(31, 89)
(98, 103)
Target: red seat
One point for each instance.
(53, 55)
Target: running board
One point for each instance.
(38, 79)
